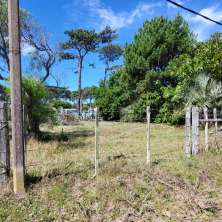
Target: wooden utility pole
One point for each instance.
(16, 97)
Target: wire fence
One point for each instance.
(111, 142)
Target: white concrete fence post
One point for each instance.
(195, 130)
(206, 129)
(188, 132)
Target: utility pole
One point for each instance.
(16, 97)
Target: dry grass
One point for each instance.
(61, 186)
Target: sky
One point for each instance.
(126, 16)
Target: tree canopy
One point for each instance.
(79, 44)
(161, 68)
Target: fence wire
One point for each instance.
(167, 143)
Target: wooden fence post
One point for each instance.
(188, 132)
(96, 141)
(206, 129)
(215, 126)
(148, 137)
(4, 147)
(195, 130)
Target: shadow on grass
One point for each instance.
(53, 173)
(31, 180)
(64, 136)
(71, 145)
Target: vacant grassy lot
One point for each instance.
(61, 187)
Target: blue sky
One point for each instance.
(126, 16)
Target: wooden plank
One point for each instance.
(96, 141)
(211, 120)
(195, 130)
(148, 137)
(188, 132)
(4, 147)
(206, 129)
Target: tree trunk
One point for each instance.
(33, 125)
(34, 129)
(80, 85)
(106, 71)
(90, 103)
(46, 76)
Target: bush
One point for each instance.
(60, 103)
(137, 111)
(38, 109)
(108, 104)
(127, 114)
(167, 115)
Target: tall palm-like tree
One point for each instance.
(206, 92)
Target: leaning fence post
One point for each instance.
(206, 129)
(96, 141)
(188, 132)
(215, 125)
(148, 136)
(195, 130)
(4, 147)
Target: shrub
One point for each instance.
(60, 103)
(38, 109)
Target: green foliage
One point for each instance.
(163, 68)
(109, 54)
(60, 103)
(209, 56)
(146, 79)
(198, 75)
(157, 42)
(89, 92)
(108, 104)
(110, 99)
(137, 111)
(80, 40)
(38, 109)
(205, 93)
(79, 44)
(107, 35)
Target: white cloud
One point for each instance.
(27, 49)
(181, 2)
(212, 12)
(203, 27)
(117, 20)
(123, 19)
(200, 26)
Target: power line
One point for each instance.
(194, 12)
